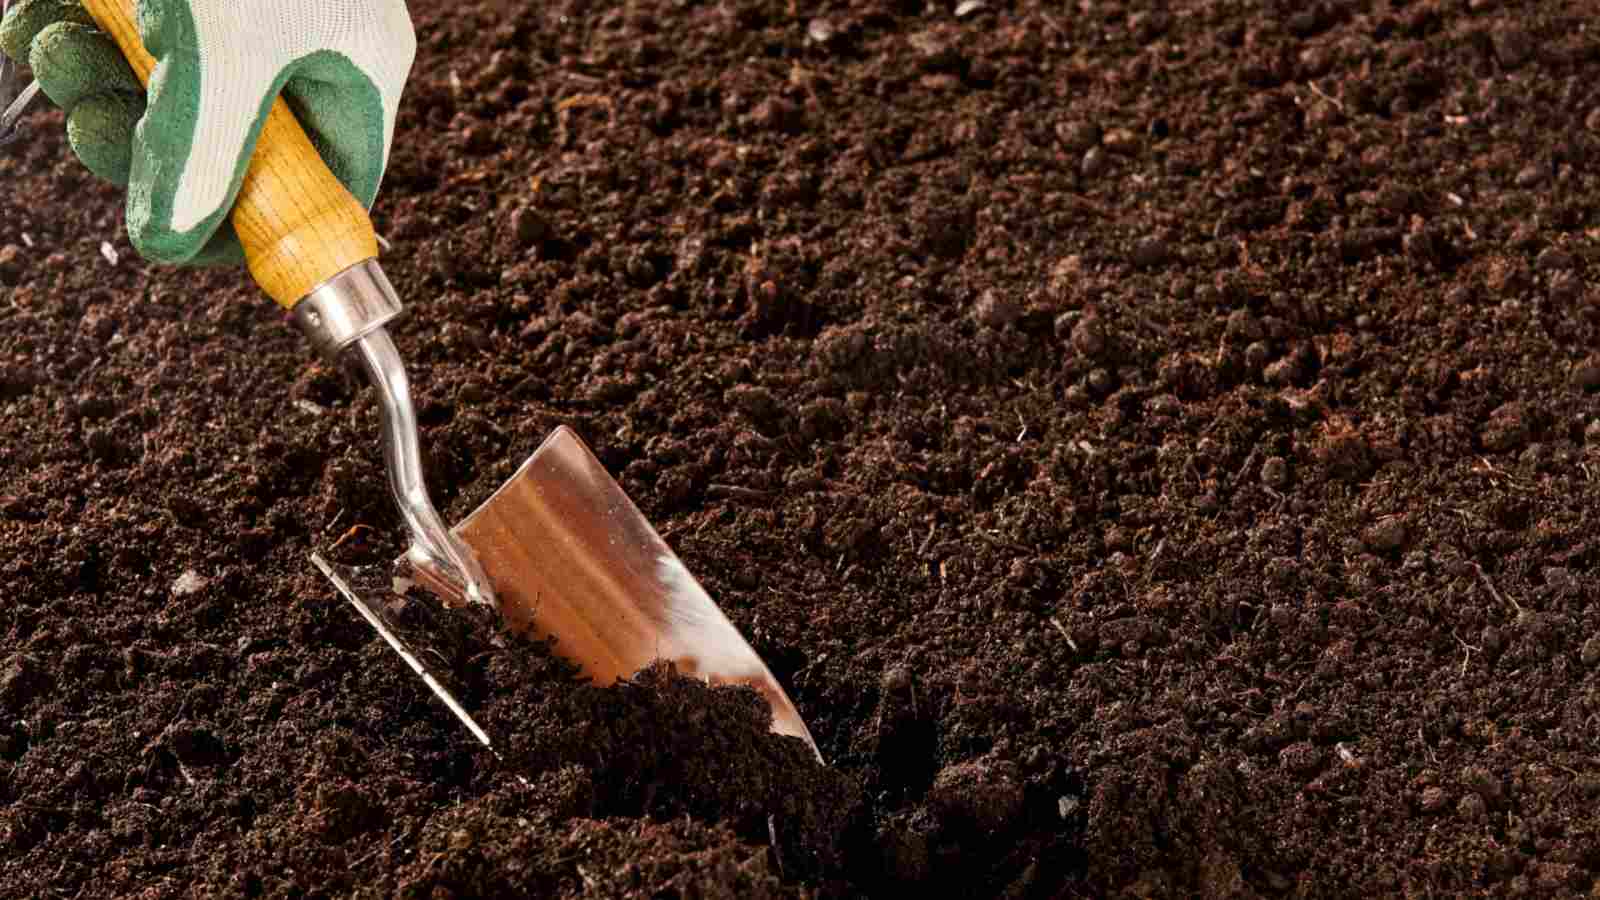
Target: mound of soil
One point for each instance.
(1153, 443)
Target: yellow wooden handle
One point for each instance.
(297, 222)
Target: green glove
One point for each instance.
(340, 64)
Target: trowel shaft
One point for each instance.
(346, 315)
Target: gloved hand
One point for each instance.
(340, 64)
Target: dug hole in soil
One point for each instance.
(1153, 443)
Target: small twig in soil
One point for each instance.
(580, 101)
(772, 836)
(1349, 759)
(1261, 613)
(1243, 471)
(1494, 593)
(1319, 92)
(1152, 326)
(1065, 633)
(1500, 474)
(735, 492)
(1277, 499)
(361, 860)
(995, 540)
(1083, 202)
(1469, 648)
(355, 533)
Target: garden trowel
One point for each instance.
(570, 558)
(559, 550)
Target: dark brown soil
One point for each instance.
(1154, 445)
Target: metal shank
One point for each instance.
(348, 312)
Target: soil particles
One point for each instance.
(1155, 444)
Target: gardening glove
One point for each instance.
(182, 150)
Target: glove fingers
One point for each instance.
(342, 111)
(74, 61)
(100, 130)
(23, 22)
(185, 176)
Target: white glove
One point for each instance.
(341, 65)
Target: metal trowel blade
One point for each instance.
(572, 559)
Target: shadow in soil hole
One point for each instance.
(906, 756)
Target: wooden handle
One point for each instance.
(297, 222)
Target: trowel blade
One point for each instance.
(572, 559)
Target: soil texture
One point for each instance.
(1154, 443)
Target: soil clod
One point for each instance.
(1154, 447)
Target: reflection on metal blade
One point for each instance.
(572, 559)
(391, 632)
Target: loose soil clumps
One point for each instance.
(1154, 447)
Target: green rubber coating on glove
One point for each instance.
(223, 249)
(100, 130)
(25, 20)
(342, 111)
(165, 137)
(75, 61)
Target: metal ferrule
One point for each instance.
(347, 307)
